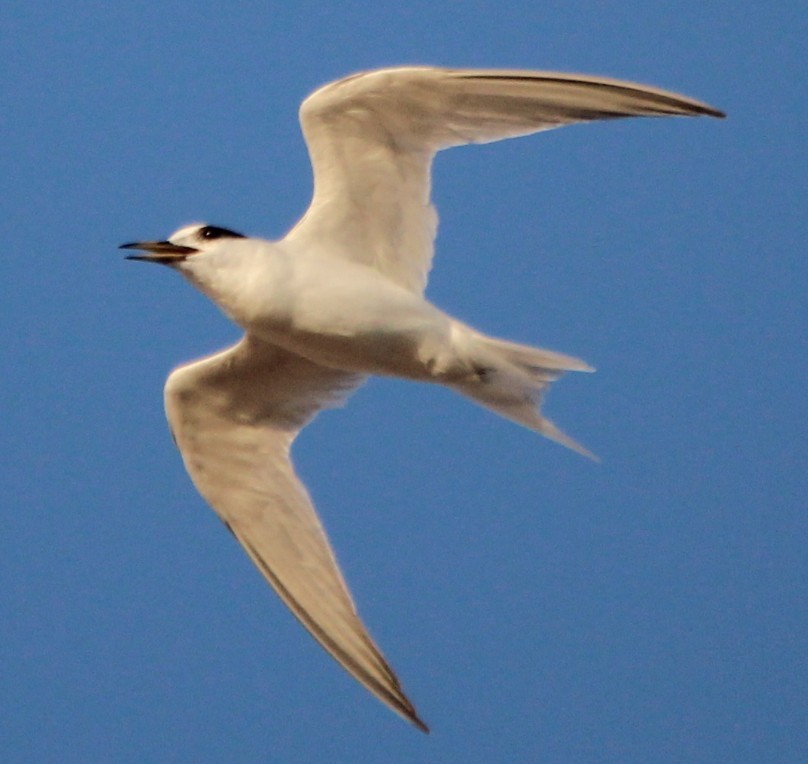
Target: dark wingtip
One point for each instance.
(420, 724)
(712, 112)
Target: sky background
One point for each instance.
(536, 606)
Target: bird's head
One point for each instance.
(217, 261)
(184, 243)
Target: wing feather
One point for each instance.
(234, 416)
(372, 137)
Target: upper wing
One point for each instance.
(372, 136)
(234, 416)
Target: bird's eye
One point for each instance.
(211, 232)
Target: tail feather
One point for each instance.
(510, 379)
(533, 358)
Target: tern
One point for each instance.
(340, 297)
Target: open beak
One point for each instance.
(163, 252)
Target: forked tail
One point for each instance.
(510, 379)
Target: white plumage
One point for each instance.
(341, 297)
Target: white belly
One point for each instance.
(354, 319)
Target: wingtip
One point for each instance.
(404, 707)
(711, 111)
(420, 724)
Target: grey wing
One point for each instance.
(372, 137)
(234, 416)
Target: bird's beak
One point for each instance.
(159, 251)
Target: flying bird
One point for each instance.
(340, 297)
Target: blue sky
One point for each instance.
(536, 606)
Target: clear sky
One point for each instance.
(537, 607)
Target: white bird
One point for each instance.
(341, 297)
